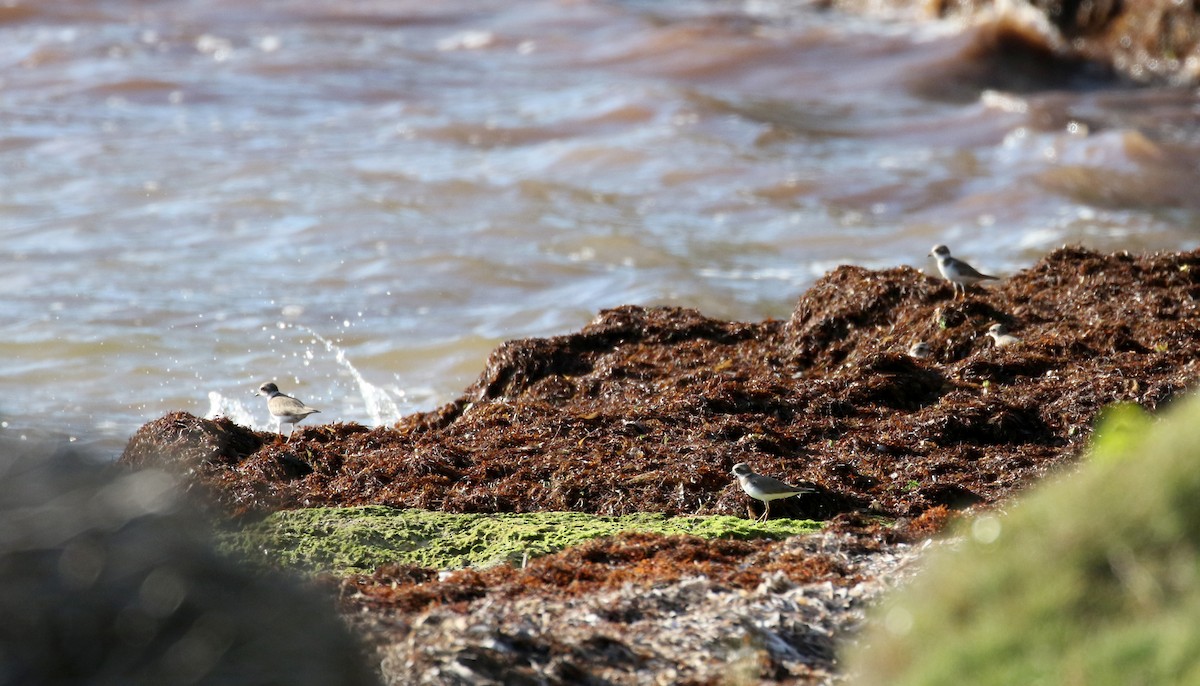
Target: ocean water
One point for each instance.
(359, 201)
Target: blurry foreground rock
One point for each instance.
(106, 579)
(1092, 579)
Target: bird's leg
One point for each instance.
(766, 511)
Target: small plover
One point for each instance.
(920, 350)
(1000, 335)
(957, 272)
(764, 488)
(284, 408)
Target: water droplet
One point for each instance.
(986, 529)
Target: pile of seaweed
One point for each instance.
(647, 409)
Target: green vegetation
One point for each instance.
(1119, 429)
(360, 539)
(1093, 578)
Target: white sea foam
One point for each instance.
(232, 409)
(380, 405)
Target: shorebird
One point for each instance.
(957, 272)
(920, 350)
(764, 488)
(1000, 335)
(284, 408)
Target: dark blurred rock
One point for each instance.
(105, 578)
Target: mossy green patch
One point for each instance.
(1119, 428)
(360, 539)
(1094, 578)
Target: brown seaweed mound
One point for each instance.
(647, 409)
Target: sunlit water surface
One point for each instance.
(360, 200)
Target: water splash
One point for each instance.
(380, 405)
(231, 408)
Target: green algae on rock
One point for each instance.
(361, 539)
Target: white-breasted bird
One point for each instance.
(764, 488)
(1000, 335)
(956, 271)
(284, 408)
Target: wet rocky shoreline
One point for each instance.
(646, 410)
(1142, 42)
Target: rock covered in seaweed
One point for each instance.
(647, 409)
(637, 609)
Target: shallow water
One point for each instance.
(360, 200)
